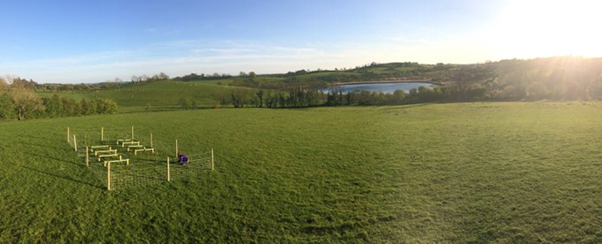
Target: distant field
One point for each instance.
(472, 172)
(157, 94)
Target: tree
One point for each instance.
(26, 102)
(83, 106)
(163, 76)
(222, 97)
(187, 103)
(70, 107)
(7, 109)
(236, 102)
(54, 107)
(260, 97)
(3, 84)
(90, 107)
(105, 106)
(241, 97)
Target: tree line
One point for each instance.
(20, 101)
(299, 97)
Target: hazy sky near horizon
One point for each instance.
(74, 41)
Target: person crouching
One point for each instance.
(182, 159)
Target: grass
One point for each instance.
(77, 95)
(507, 172)
(158, 94)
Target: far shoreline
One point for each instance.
(382, 82)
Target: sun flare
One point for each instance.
(549, 28)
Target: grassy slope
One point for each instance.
(452, 172)
(77, 95)
(161, 93)
(157, 94)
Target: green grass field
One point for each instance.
(474, 172)
(159, 95)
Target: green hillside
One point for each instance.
(159, 95)
(505, 172)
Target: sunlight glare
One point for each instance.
(539, 28)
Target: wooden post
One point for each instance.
(87, 158)
(74, 143)
(109, 176)
(151, 139)
(102, 133)
(68, 135)
(177, 147)
(212, 160)
(132, 133)
(168, 176)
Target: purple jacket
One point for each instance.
(182, 159)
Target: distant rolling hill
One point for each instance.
(158, 95)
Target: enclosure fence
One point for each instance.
(124, 163)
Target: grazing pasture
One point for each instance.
(510, 172)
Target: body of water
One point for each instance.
(380, 87)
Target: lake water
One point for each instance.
(380, 87)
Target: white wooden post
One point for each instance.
(87, 158)
(177, 147)
(212, 160)
(68, 135)
(168, 176)
(102, 133)
(151, 139)
(132, 133)
(109, 176)
(74, 143)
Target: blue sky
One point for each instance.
(94, 41)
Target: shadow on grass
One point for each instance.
(65, 178)
(404, 106)
(28, 143)
(46, 157)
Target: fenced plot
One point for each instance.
(150, 170)
(139, 174)
(124, 162)
(197, 164)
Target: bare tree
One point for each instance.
(163, 76)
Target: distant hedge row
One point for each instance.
(22, 103)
